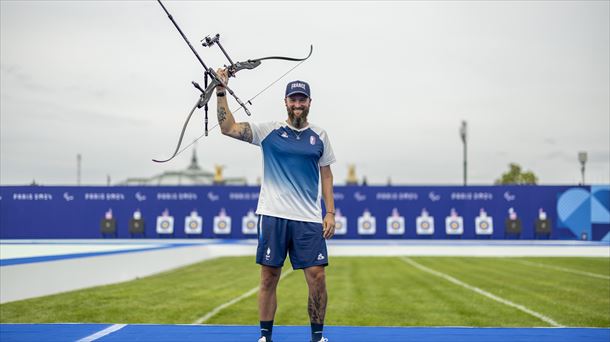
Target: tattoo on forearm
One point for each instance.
(316, 306)
(244, 132)
(222, 115)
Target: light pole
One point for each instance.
(464, 136)
(582, 158)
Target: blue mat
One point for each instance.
(48, 332)
(215, 333)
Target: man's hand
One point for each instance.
(329, 226)
(224, 77)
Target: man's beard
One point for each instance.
(297, 121)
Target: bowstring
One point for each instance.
(240, 107)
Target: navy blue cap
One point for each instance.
(298, 87)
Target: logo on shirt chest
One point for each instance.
(284, 134)
(312, 140)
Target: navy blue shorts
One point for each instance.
(278, 236)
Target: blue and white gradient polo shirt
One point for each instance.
(292, 158)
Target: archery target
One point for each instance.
(484, 225)
(425, 225)
(222, 225)
(248, 224)
(165, 224)
(396, 225)
(454, 225)
(367, 225)
(193, 224)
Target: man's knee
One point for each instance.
(316, 276)
(270, 277)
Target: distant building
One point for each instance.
(192, 175)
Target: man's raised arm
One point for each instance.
(228, 126)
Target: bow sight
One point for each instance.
(210, 74)
(208, 42)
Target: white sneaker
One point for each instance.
(323, 339)
(264, 339)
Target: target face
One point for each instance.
(454, 225)
(250, 225)
(366, 225)
(222, 225)
(484, 225)
(193, 224)
(164, 224)
(395, 225)
(338, 225)
(425, 225)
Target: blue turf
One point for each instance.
(186, 333)
(48, 332)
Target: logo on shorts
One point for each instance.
(320, 256)
(268, 255)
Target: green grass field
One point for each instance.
(375, 291)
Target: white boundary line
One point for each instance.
(447, 277)
(103, 333)
(564, 269)
(223, 306)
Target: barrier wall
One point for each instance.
(512, 212)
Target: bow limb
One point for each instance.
(287, 58)
(253, 63)
(188, 118)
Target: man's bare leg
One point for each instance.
(316, 305)
(267, 298)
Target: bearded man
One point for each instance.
(296, 174)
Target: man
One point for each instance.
(296, 158)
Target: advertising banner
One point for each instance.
(363, 212)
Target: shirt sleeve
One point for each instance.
(260, 131)
(328, 156)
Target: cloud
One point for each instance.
(38, 108)
(550, 141)
(559, 155)
(599, 157)
(16, 74)
(13, 71)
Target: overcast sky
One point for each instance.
(391, 82)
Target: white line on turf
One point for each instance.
(447, 277)
(223, 306)
(102, 333)
(564, 269)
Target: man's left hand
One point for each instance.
(329, 226)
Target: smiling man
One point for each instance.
(296, 174)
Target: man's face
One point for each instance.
(297, 106)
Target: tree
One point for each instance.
(516, 176)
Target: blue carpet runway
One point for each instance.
(215, 333)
